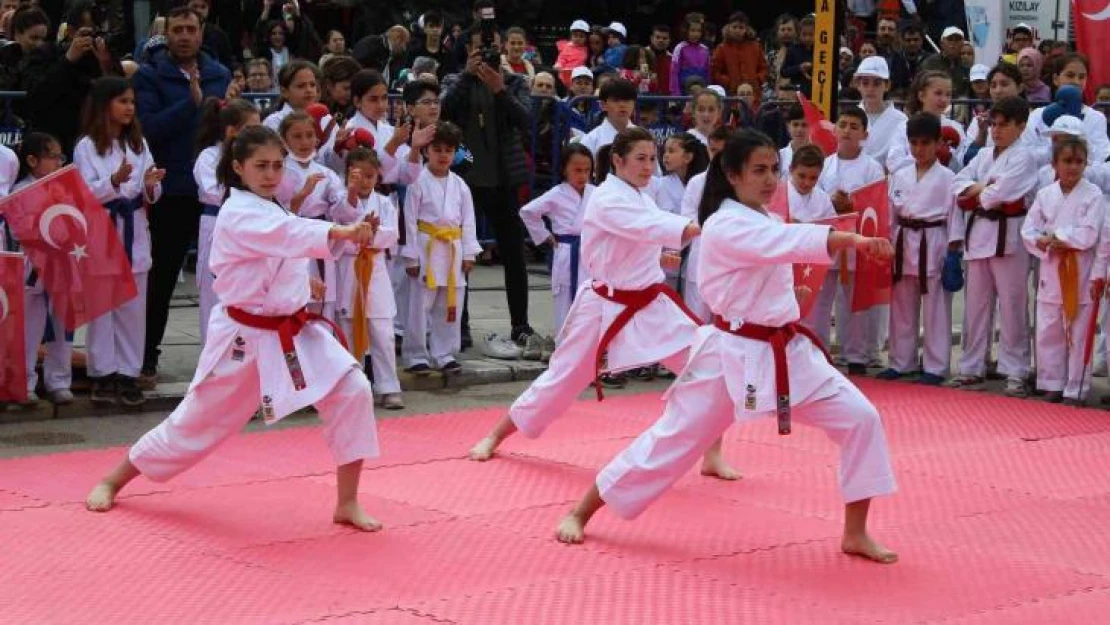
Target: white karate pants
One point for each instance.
(383, 352)
(907, 304)
(819, 318)
(1006, 278)
(400, 281)
(699, 410)
(427, 312)
(205, 277)
(114, 340)
(1060, 360)
(57, 367)
(562, 298)
(221, 404)
(853, 330)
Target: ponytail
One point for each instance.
(732, 159)
(216, 116)
(717, 190)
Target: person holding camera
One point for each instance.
(494, 110)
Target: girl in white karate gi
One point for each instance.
(1061, 230)
(220, 121)
(116, 163)
(623, 237)
(925, 225)
(261, 255)
(930, 92)
(1072, 69)
(708, 108)
(299, 87)
(565, 205)
(309, 189)
(993, 191)
(691, 197)
(441, 243)
(684, 156)
(41, 155)
(364, 306)
(746, 277)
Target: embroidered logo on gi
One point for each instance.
(749, 398)
(237, 352)
(267, 409)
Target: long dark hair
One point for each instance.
(285, 79)
(216, 116)
(738, 149)
(240, 149)
(691, 145)
(98, 107)
(921, 83)
(36, 144)
(574, 149)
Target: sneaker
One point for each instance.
(31, 401)
(609, 380)
(520, 334)
(1054, 397)
(452, 367)
(420, 369)
(393, 401)
(664, 373)
(103, 391)
(128, 392)
(964, 381)
(61, 397)
(1073, 402)
(888, 374)
(855, 368)
(496, 346)
(148, 379)
(930, 379)
(548, 349)
(533, 348)
(644, 374)
(1015, 387)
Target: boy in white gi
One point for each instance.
(993, 190)
(798, 129)
(926, 226)
(440, 247)
(1061, 230)
(755, 359)
(263, 344)
(846, 171)
(872, 80)
(808, 203)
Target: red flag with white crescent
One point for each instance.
(1092, 29)
(73, 245)
(822, 132)
(809, 278)
(873, 277)
(13, 359)
(779, 203)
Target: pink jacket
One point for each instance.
(570, 57)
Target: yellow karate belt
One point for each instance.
(446, 235)
(360, 331)
(1068, 272)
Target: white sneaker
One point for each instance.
(61, 397)
(1015, 387)
(496, 346)
(31, 401)
(392, 401)
(533, 348)
(548, 348)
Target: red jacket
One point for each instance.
(738, 62)
(662, 71)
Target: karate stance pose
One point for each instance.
(627, 315)
(755, 359)
(262, 343)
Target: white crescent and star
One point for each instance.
(5, 308)
(869, 214)
(57, 210)
(1101, 16)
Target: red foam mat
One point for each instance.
(1003, 516)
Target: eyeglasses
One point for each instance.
(428, 102)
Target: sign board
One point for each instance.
(1048, 18)
(826, 56)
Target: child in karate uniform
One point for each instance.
(872, 80)
(260, 255)
(926, 226)
(1061, 230)
(441, 244)
(808, 203)
(747, 280)
(798, 129)
(689, 209)
(993, 191)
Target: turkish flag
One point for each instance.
(822, 132)
(809, 278)
(1092, 29)
(72, 244)
(13, 359)
(873, 277)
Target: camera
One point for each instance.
(490, 55)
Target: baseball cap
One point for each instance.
(952, 31)
(979, 72)
(581, 72)
(1067, 125)
(848, 51)
(618, 28)
(874, 66)
(718, 89)
(1023, 26)
(581, 25)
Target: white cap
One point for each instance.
(1067, 125)
(1022, 26)
(847, 50)
(952, 31)
(979, 72)
(581, 72)
(618, 28)
(718, 89)
(581, 25)
(874, 66)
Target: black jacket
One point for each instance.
(513, 117)
(57, 88)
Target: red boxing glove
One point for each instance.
(360, 137)
(944, 154)
(318, 112)
(950, 136)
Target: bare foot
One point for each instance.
(716, 466)
(352, 514)
(571, 530)
(102, 497)
(865, 547)
(484, 450)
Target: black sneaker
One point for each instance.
(520, 334)
(103, 391)
(613, 380)
(128, 392)
(855, 368)
(421, 369)
(452, 367)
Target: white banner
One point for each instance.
(986, 30)
(1048, 18)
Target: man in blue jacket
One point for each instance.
(168, 93)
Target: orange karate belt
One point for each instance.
(360, 332)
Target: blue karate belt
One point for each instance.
(210, 210)
(575, 243)
(125, 209)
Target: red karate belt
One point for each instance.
(779, 338)
(633, 302)
(287, 327)
(919, 225)
(1001, 213)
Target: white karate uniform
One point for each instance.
(667, 191)
(859, 336)
(602, 136)
(211, 195)
(898, 154)
(114, 340)
(566, 209)
(786, 157)
(930, 199)
(9, 169)
(1039, 143)
(700, 136)
(442, 202)
(378, 299)
(882, 129)
(1076, 219)
(325, 152)
(623, 235)
(260, 255)
(746, 276)
(814, 206)
(691, 198)
(1012, 175)
(327, 202)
